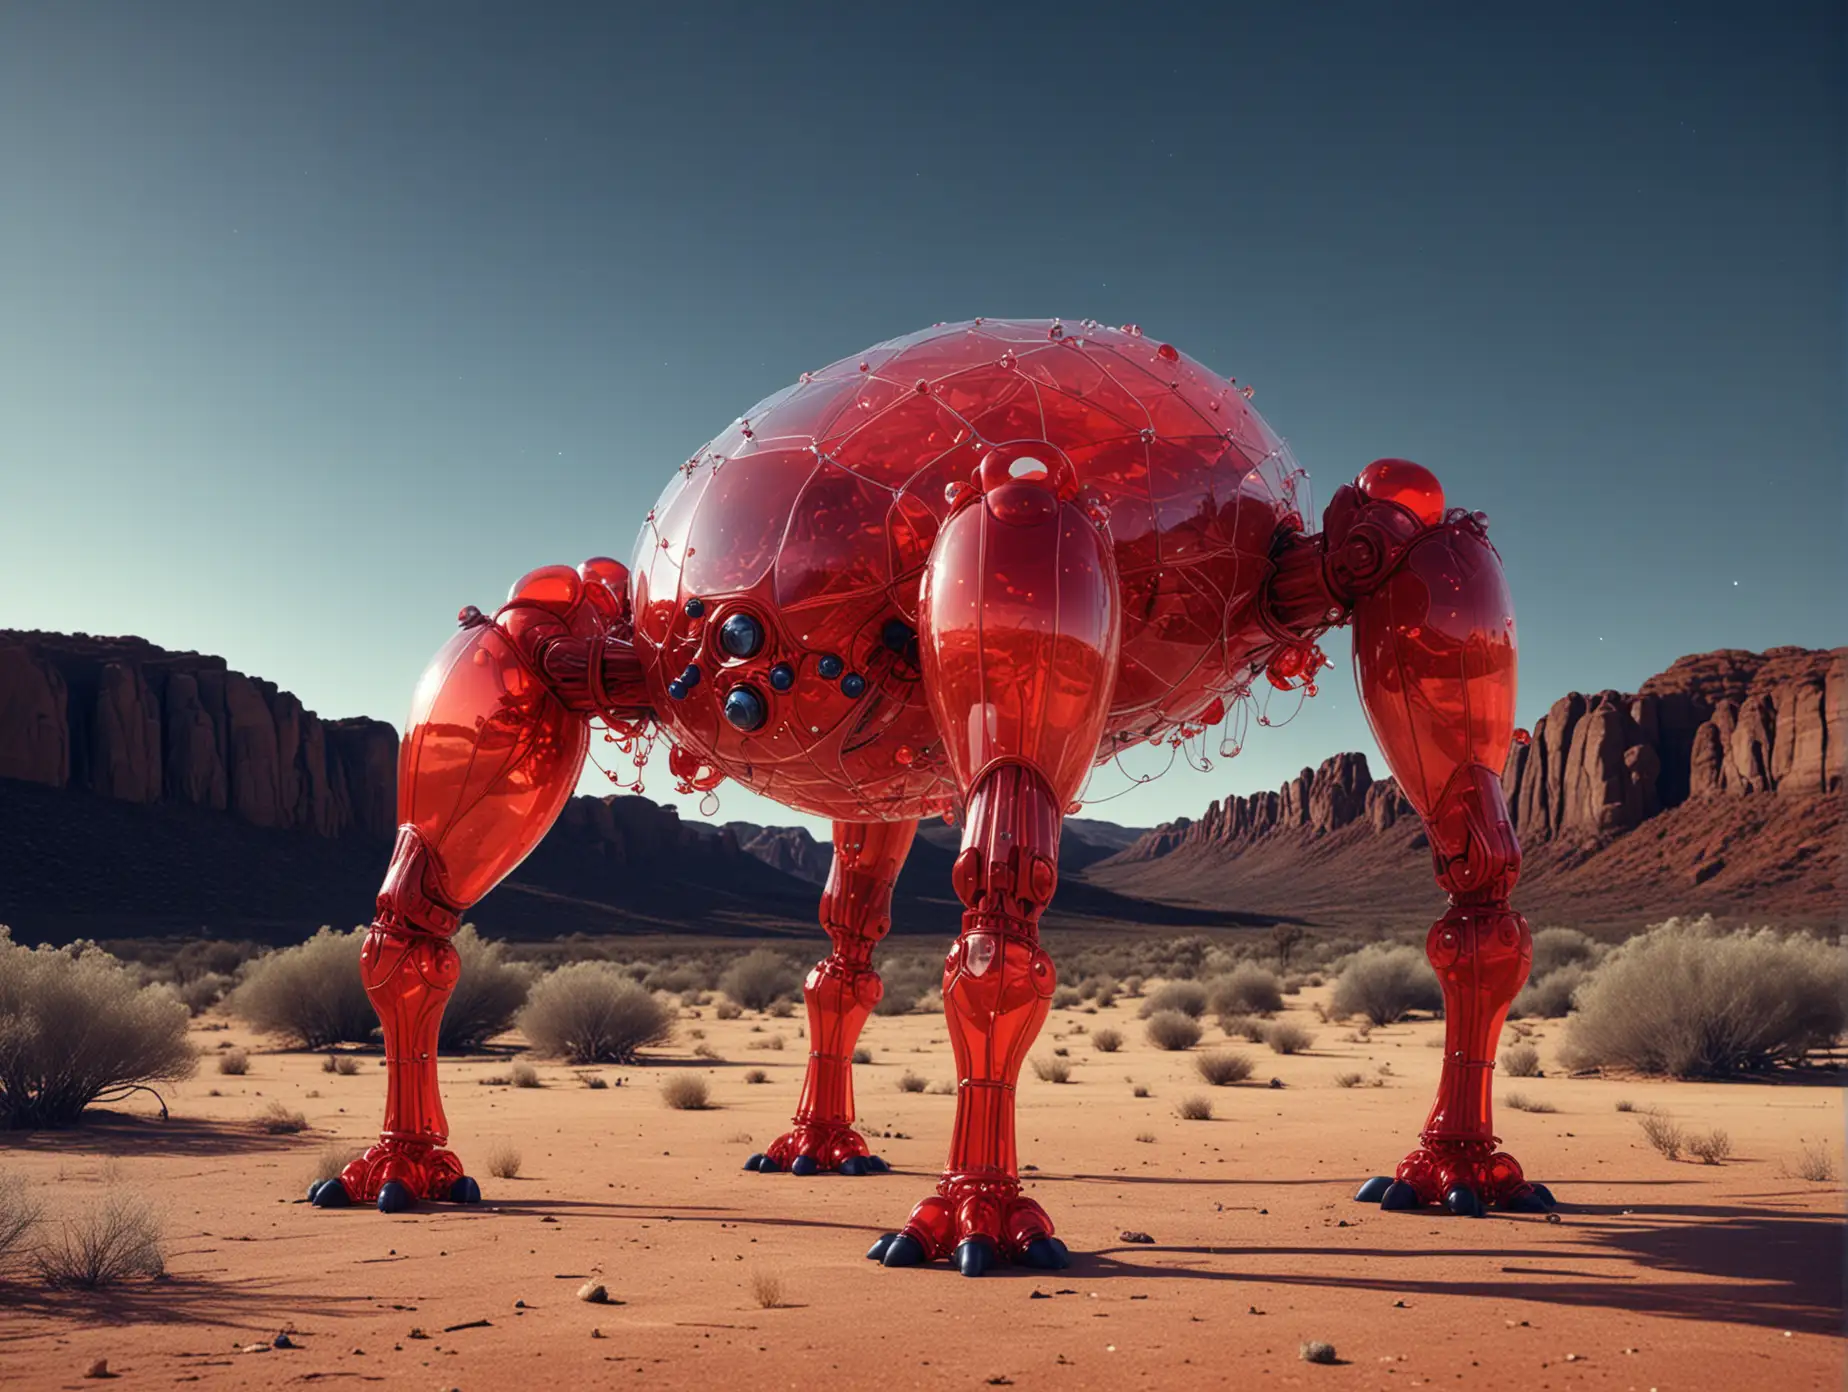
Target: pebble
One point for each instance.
(283, 1341)
(594, 1293)
(99, 1369)
(1129, 1235)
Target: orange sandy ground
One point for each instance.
(1661, 1274)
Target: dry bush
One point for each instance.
(1195, 1108)
(1521, 1061)
(756, 1075)
(780, 1009)
(1184, 997)
(862, 1055)
(677, 978)
(1107, 1041)
(523, 1075)
(1067, 998)
(687, 1092)
(1287, 1037)
(758, 979)
(728, 1010)
(343, 1064)
(1247, 989)
(503, 1161)
(911, 1082)
(908, 982)
(1146, 1137)
(1140, 1090)
(1558, 948)
(592, 1012)
(767, 1290)
(1521, 1102)
(1667, 1137)
(1250, 1028)
(772, 1042)
(310, 994)
(278, 1120)
(104, 1244)
(1690, 1001)
(76, 1029)
(330, 1160)
(1100, 989)
(1052, 1070)
(1710, 1147)
(1317, 1351)
(1170, 1029)
(201, 993)
(19, 1214)
(706, 1051)
(234, 1063)
(1549, 997)
(488, 995)
(1348, 1080)
(594, 1081)
(1385, 982)
(1814, 1161)
(1625, 1105)
(1219, 1069)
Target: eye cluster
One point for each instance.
(740, 644)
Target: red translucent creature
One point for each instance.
(951, 575)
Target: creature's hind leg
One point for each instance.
(1019, 636)
(856, 911)
(1434, 650)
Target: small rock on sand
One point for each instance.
(593, 1293)
(99, 1369)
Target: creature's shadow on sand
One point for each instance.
(247, 1304)
(1768, 1266)
(116, 1133)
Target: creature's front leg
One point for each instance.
(1434, 649)
(497, 738)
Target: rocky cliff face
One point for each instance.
(124, 719)
(1720, 724)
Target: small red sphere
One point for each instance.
(1412, 486)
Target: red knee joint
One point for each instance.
(1474, 851)
(413, 897)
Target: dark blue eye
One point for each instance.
(782, 676)
(677, 690)
(853, 684)
(745, 708)
(690, 677)
(830, 667)
(695, 607)
(741, 636)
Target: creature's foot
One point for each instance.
(979, 1223)
(811, 1147)
(1466, 1177)
(396, 1175)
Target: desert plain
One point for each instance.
(1658, 1273)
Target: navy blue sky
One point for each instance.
(320, 321)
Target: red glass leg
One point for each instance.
(856, 912)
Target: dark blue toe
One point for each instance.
(876, 1165)
(904, 1250)
(1399, 1196)
(766, 1165)
(331, 1193)
(755, 1162)
(975, 1255)
(804, 1165)
(465, 1190)
(878, 1250)
(853, 1165)
(1545, 1195)
(1374, 1189)
(1046, 1254)
(1464, 1202)
(395, 1197)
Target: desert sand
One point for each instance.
(1659, 1274)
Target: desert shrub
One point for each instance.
(1710, 1147)
(1249, 1027)
(1288, 1037)
(767, 1290)
(756, 1075)
(345, 1065)
(310, 993)
(523, 1075)
(1348, 1080)
(1625, 1105)
(1183, 997)
(774, 1042)
(1316, 1351)
(758, 979)
(1101, 989)
(781, 1009)
(908, 981)
(1107, 1041)
(1814, 1161)
(1557, 948)
(1549, 997)
(1690, 1001)
(1132, 984)
(862, 1055)
(1247, 989)
(104, 1244)
(911, 1082)
(234, 1063)
(1140, 1090)
(488, 994)
(1385, 982)
(1052, 1070)
(330, 1160)
(1170, 1029)
(1219, 1069)
(1521, 1061)
(592, 1012)
(676, 978)
(1521, 1102)
(1665, 1135)
(1195, 1108)
(19, 1214)
(594, 1081)
(503, 1161)
(201, 993)
(687, 1092)
(1066, 998)
(728, 1010)
(76, 1029)
(278, 1120)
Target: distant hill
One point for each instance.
(147, 792)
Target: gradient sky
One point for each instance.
(318, 321)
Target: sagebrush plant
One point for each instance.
(593, 1012)
(1688, 1000)
(103, 1244)
(687, 1092)
(1107, 1040)
(19, 1215)
(1550, 997)
(277, 1120)
(911, 1082)
(1664, 1134)
(330, 1160)
(1052, 1070)
(1186, 997)
(75, 1029)
(1710, 1147)
(488, 995)
(1221, 1068)
(1521, 1102)
(1386, 982)
(760, 978)
(1195, 1108)
(1288, 1037)
(1170, 1029)
(1521, 1061)
(503, 1161)
(524, 1075)
(1813, 1161)
(1247, 989)
(234, 1063)
(309, 994)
